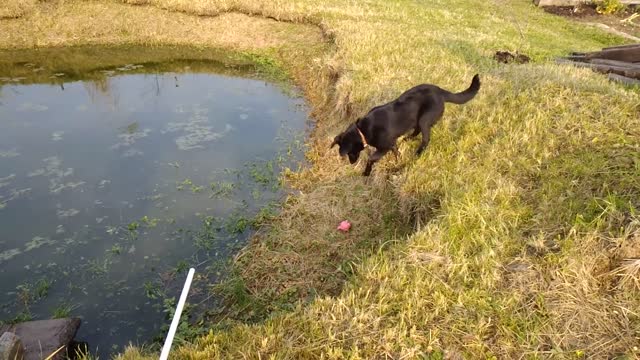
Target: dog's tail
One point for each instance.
(467, 95)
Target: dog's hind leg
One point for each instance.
(426, 137)
(427, 120)
(377, 155)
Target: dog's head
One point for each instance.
(349, 143)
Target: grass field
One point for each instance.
(516, 234)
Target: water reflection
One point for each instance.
(105, 184)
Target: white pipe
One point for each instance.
(176, 316)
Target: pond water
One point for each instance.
(114, 182)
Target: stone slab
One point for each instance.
(41, 338)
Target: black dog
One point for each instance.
(417, 109)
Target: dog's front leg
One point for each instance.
(395, 151)
(426, 136)
(377, 155)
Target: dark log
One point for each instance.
(630, 54)
(628, 65)
(621, 46)
(623, 79)
(605, 69)
(582, 58)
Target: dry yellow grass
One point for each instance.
(16, 8)
(77, 24)
(524, 232)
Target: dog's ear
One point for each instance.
(336, 140)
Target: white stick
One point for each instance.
(176, 317)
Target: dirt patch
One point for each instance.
(588, 13)
(506, 57)
(586, 10)
(572, 11)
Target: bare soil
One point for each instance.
(588, 13)
(506, 57)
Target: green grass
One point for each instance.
(516, 234)
(22, 316)
(62, 311)
(29, 293)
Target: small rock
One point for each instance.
(517, 266)
(11, 347)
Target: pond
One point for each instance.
(115, 177)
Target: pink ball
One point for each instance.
(344, 226)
